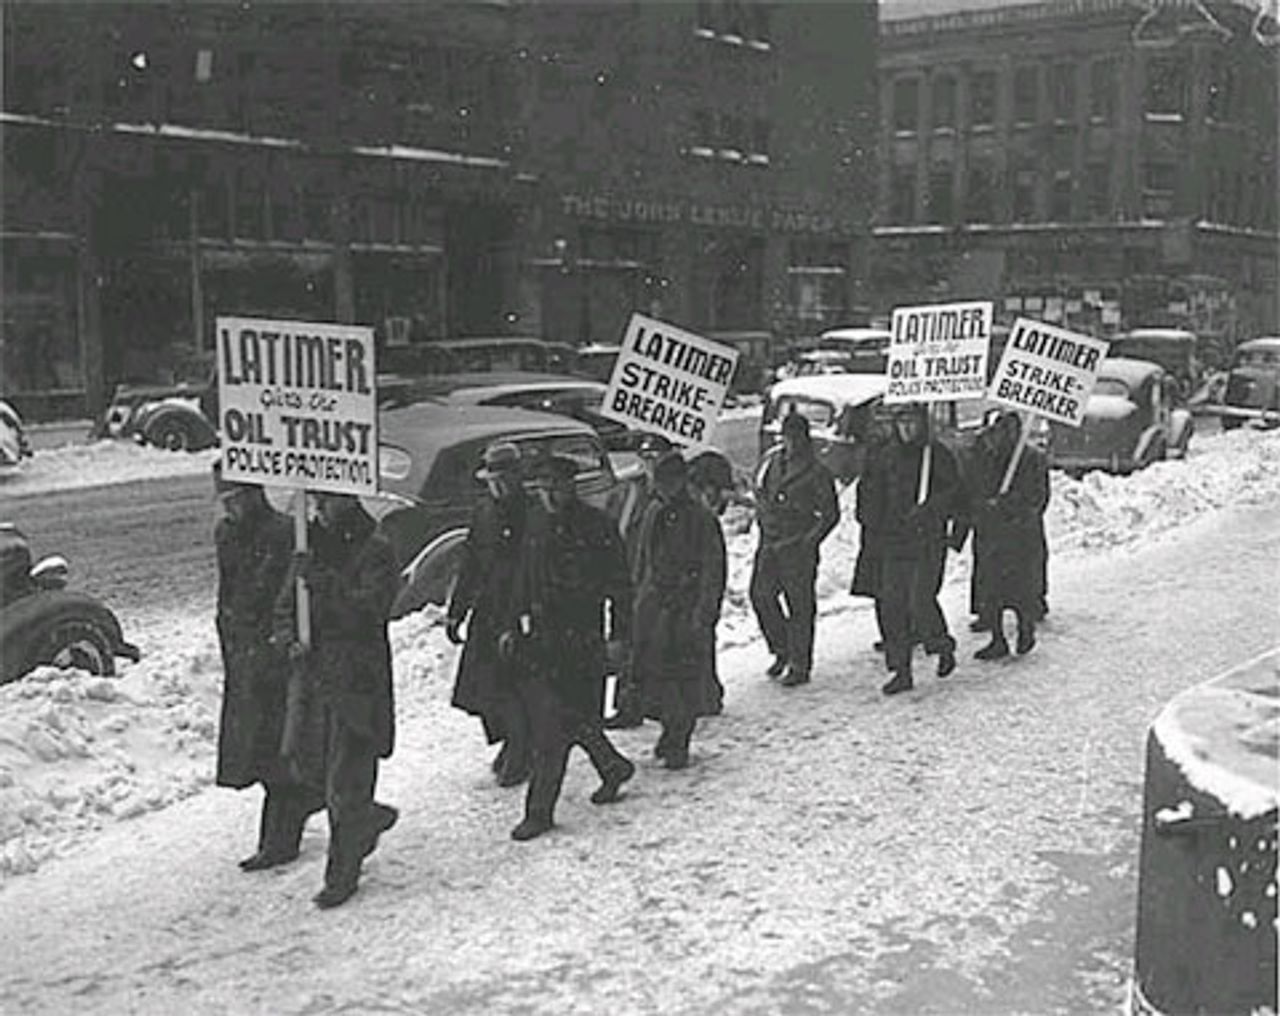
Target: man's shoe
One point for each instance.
(776, 668)
(676, 758)
(265, 859)
(946, 662)
(607, 792)
(335, 895)
(530, 828)
(384, 817)
(795, 677)
(901, 682)
(996, 649)
(979, 624)
(1026, 639)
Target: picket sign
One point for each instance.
(938, 353)
(1046, 371)
(297, 405)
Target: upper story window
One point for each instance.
(902, 196)
(1062, 88)
(944, 101)
(1103, 91)
(1098, 190)
(1026, 95)
(979, 202)
(941, 208)
(982, 99)
(1159, 182)
(1023, 179)
(1166, 91)
(906, 104)
(1221, 88)
(760, 131)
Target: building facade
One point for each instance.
(435, 170)
(1104, 164)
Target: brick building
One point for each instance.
(1103, 163)
(436, 170)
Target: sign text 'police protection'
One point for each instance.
(1048, 371)
(298, 404)
(938, 352)
(669, 381)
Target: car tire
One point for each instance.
(172, 436)
(78, 643)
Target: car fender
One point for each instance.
(430, 576)
(24, 622)
(195, 421)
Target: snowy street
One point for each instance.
(968, 847)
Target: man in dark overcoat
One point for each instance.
(343, 721)
(254, 544)
(637, 494)
(796, 509)
(680, 577)
(485, 587)
(711, 481)
(867, 509)
(1010, 527)
(573, 563)
(914, 536)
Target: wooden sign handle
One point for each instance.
(926, 460)
(1024, 430)
(302, 595)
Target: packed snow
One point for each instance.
(78, 753)
(92, 464)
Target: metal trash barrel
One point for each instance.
(1207, 929)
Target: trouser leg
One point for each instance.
(294, 803)
(600, 750)
(351, 774)
(927, 620)
(516, 750)
(550, 743)
(765, 590)
(798, 577)
(894, 606)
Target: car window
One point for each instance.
(1111, 386)
(453, 472)
(583, 449)
(819, 414)
(1258, 358)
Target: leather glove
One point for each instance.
(453, 631)
(297, 651)
(617, 653)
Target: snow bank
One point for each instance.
(77, 752)
(75, 466)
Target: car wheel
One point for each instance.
(77, 643)
(172, 436)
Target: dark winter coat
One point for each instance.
(907, 530)
(573, 562)
(486, 590)
(680, 579)
(866, 570)
(795, 502)
(1009, 547)
(353, 582)
(253, 560)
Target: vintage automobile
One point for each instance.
(839, 408)
(177, 417)
(1253, 385)
(1132, 419)
(429, 453)
(1173, 348)
(14, 446)
(43, 623)
(563, 395)
(841, 351)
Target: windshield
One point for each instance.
(1258, 358)
(1111, 386)
(818, 413)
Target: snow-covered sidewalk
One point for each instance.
(968, 847)
(79, 753)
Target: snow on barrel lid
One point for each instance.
(1225, 735)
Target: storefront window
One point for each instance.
(40, 343)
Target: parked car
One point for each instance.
(596, 361)
(577, 398)
(14, 446)
(1253, 384)
(839, 408)
(1173, 348)
(1132, 418)
(179, 417)
(429, 453)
